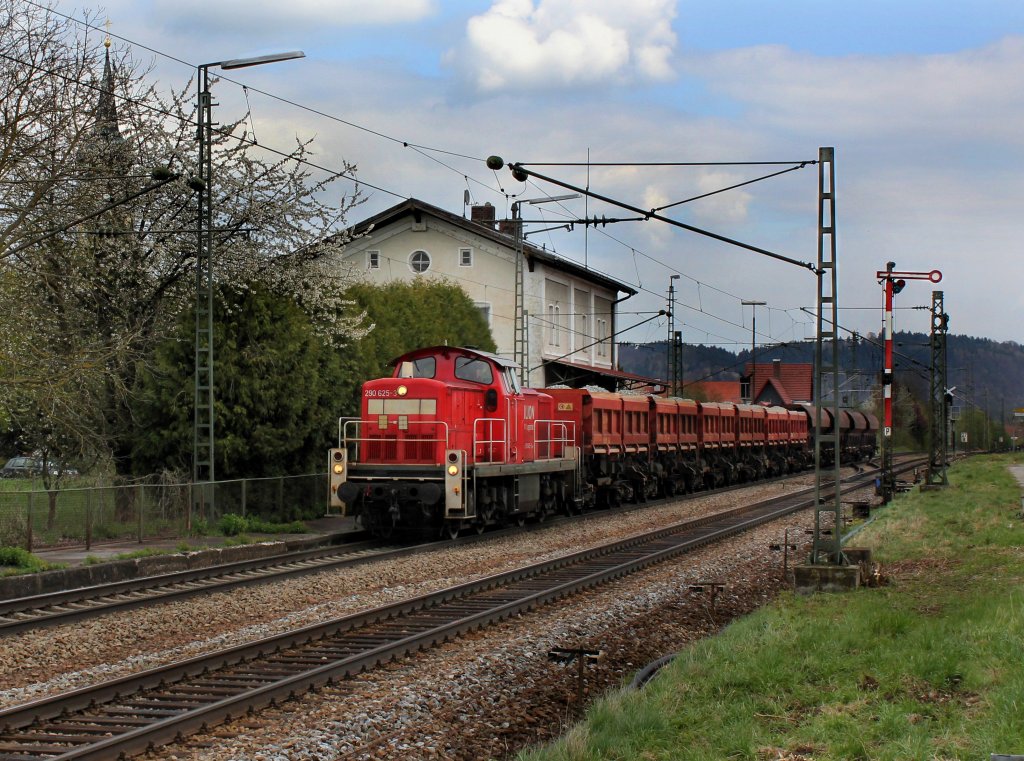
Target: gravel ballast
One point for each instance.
(485, 695)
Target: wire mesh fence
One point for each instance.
(34, 518)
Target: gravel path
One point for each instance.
(484, 695)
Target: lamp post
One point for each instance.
(753, 342)
(673, 359)
(203, 425)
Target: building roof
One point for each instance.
(793, 382)
(415, 207)
(617, 378)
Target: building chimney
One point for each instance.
(777, 368)
(482, 215)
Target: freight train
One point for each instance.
(452, 441)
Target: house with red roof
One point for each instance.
(775, 383)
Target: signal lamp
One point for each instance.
(338, 468)
(453, 470)
(898, 285)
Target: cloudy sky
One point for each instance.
(922, 101)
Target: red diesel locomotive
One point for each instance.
(452, 441)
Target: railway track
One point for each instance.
(128, 715)
(66, 606)
(70, 605)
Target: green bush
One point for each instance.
(232, 525)
(15, 560)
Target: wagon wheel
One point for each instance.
(520, 520)
(450, 529)
(479, 527)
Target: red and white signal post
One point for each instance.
(894, 283)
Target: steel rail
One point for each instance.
(65, 606)
(185, 697)
(68, 605)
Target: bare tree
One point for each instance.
(92, 294)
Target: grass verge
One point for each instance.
(928, 667)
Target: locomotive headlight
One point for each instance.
(338, 468)
(453, 470)
(402, 391)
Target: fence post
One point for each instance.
(28, 525)
(244, 482)
(88, 520)
(140, 496)
(280, 498)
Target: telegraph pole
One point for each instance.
(673, 347)
(753, 343)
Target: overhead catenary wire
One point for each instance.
(421, 148)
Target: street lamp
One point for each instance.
(203, 429)
(753, 342)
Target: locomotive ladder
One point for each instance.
(827, 547)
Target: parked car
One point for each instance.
(27, 467)
(20, 467)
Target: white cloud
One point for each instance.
(249, 14)
(960, 93)
(553, 44)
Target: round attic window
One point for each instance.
(419, 261)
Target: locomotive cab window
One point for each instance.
(511, 380)
(473, 370)
(424, 367)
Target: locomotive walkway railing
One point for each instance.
(401, 445)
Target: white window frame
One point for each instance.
(412, 256)
(554, 325)
(373, 259)
(602, 337)
(465, 257)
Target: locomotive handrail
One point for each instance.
(492, 444)
(552, 425)
(341, 426)
(344, 423)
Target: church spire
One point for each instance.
(106, 125)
